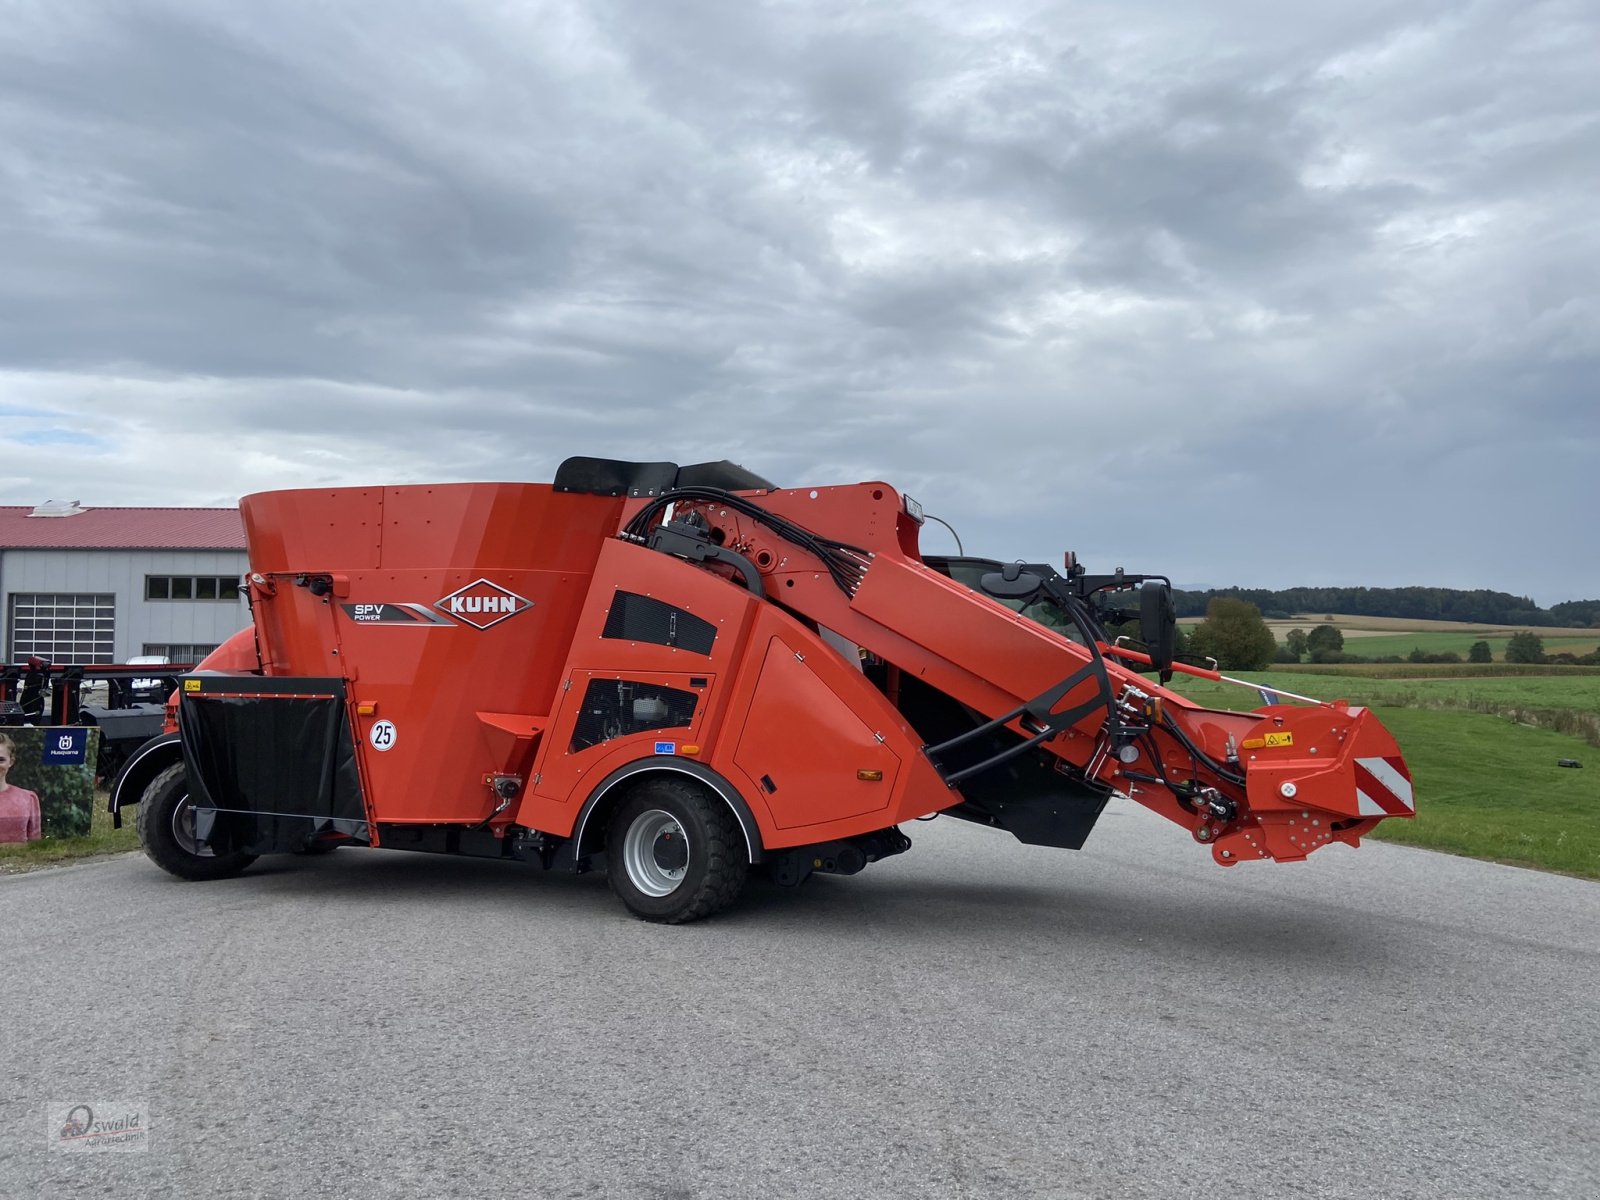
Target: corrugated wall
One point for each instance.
(122, 573)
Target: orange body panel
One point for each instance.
(804, 746)
(417, 546)
(810, 724)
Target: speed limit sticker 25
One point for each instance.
(383, 735)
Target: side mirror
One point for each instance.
(1011, 584)
(1158, 625)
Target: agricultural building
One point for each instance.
(103, 585)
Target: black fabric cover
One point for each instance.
(614, 477)
(270, 773)
(730, 477)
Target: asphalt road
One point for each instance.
(974, 1018)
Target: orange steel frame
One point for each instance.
(786, 719)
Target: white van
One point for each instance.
(149, 691)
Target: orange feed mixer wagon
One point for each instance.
(687, 673)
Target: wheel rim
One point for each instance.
(655, 853)
(183, 829)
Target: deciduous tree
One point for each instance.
(1323, 641)
(1525, 648)
(1234, 634)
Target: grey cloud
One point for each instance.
(1147, 279)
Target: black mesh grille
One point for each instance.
(613, 708)
(637, 618)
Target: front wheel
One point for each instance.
(166, 830)
(673, 853)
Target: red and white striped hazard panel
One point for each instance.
(1383, 787)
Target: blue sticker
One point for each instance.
(666, 747)
(66, 747)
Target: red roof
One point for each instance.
(122, 529)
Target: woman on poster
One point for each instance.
(19, 808)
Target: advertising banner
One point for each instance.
(46, 781)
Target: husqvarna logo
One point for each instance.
(482, 603)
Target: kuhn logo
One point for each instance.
(482, 604)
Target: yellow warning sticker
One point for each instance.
(191, 685)
(1279, 739)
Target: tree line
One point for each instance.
(1412, 603)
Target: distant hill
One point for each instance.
(1411, 603)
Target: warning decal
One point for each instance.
(1383, 788)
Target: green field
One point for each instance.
(1576, 688)
(1498, 670)
(1380, 644)
(1487, 783)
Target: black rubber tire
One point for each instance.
(159, 808)
(716, 862)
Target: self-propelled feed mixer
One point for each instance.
(685, 673)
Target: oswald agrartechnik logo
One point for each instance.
(105, 1125)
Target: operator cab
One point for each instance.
(1045, 596)
(1040, 608)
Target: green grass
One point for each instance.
(1576, 689)
(1376, 644)
(1499, 670)
(1487, 787)
(101, 839)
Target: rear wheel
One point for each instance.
(166, 830)
(674, 853)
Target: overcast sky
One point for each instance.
(1244, 292)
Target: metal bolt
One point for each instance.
(1287, 791)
